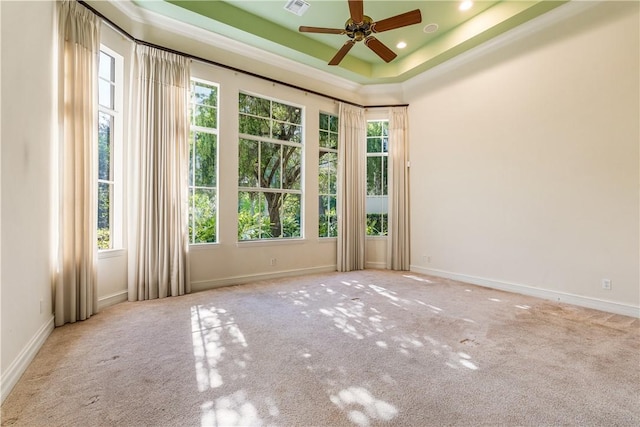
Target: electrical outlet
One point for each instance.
(272, 261)
(606, 284)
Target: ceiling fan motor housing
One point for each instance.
(359, 31)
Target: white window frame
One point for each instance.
(281, 190)
(116, 204)
(381, 202)
(322, 149)
(213, 131)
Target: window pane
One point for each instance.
(286, 113)
(324, 139)
(333, 123)
(374, 145)
(333, 141)
(105, 93)
(253, 105)
(374, 175)
(327, 169)
(270, 168)
(333, 217)
(287, 132)
(205, 159)
(375, 224)
(205, 94)
(383, 177)
(290, 215)
(205, 116)
(202, 221)
(192, 146)
(328, 225)
(105, 196)
(374, 128)
(106, 67)
(292, 157)
(324, 121)
(248, 163)
(253, 221)
(105, 163)
(254, 126)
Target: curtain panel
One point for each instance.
(75, 269)
(158, 170)
(398, 185)
(351, 188)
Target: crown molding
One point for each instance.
(164, 23)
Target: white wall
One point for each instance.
(525, 163)
(27, 101)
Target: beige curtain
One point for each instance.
(398, 176)
(158, 241)
(75, 274)
(351, 188)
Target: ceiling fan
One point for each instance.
(359, 27)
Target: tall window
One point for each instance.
(109, 149)
(270, 169)
(203, 162)
(377, 141)
(327, 176)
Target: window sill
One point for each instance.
(111, 253)
(376, 237)
(269, 242)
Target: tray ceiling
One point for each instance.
(267, 25)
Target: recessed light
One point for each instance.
(430, 28)
(465, 5)
(401, 45)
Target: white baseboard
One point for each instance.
(112, 299)
(10, 377)
(204, 285)
(597, 304)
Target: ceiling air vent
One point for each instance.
(299, 7)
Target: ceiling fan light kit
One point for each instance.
(360, 27)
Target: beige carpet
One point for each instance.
(362, 348)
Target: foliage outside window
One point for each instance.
(203, 162)
(269, 169)
(327, 176)
(106, 177)
(377, 145)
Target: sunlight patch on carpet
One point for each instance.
(362, 407)
(232, 410)
(213, 331)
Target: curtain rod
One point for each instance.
(228, 67)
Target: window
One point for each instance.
(377, 141)
(203, 162)
(327, 176)
(109, 149)
(269, 169)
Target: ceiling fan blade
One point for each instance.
(303, 29)
(402, 20)
(380, 49)
(346, 47)
(356, 10)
